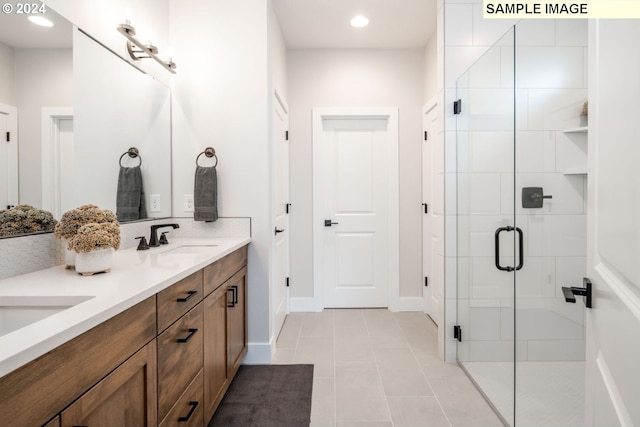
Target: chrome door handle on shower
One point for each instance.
(520, 248)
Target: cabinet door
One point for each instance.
(125, 397)
(215, 349)
(236, 321)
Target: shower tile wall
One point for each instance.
(551, 81)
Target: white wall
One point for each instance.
(334, 78)
(220, 99)
(7, 82)
(43, 79)
(431, 68)
(100, 18)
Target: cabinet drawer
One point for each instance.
(177, 299)
(188, 410)
(218, 272)
(180, 350)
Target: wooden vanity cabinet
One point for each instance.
(225, 327)
(125, 397)
(35, 393)
(165, 361)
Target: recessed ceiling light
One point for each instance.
(359, 21)
(39, 20)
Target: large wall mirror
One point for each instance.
(74, 108)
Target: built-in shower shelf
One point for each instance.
(581, 129)
(575, 172)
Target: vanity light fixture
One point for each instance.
(40, 20)
(137, 50)
(359, 21)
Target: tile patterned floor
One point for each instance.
(374, 368)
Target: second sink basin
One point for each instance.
(19, 311)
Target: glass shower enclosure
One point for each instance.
(521, 222)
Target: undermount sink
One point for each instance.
(19, 311)
(189, 249)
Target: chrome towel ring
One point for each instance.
(133, 152)
(208, 152)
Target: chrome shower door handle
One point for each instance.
(520, 248)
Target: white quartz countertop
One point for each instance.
(134, 276)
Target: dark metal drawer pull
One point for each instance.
(185, 299)
(234, 299)
(188, 337)
(193, 405)
(235, 294)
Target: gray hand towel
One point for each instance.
(130, 204)
(205, 194)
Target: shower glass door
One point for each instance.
(521, 222)
(487, 238)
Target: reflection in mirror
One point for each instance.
(35, 73)
(72, 122)
(115, 111)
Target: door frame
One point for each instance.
(51, 117)
(392, 202)
(12, 154)
(428, 250)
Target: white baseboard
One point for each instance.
(258, 354)
(411, 304)
(302, 305)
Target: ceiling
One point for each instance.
(17, 31)
(393, 24)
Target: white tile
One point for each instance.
(571, 32)
(484, 324)
(534, 32)
(489, 31)
(549, 67)
(569, 272)
(458, 59)
(543, 324)
(491, 151)
(490, 109)
(491, 351)
(484, 193)
(458, 24)
(486, 71)
(482, 231)
(557, 235)
(488, 281)
(451, 245)
(535, 151)
(555, 109)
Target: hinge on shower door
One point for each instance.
(426, 136)
(287, 282)
(426, 281)
(286, 135)
(8, 136)
(457, 333)
(457, 106)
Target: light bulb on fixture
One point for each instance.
(359, 21)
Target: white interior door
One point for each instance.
(8, 156)
(613, 324)
(281, 216)
(57, 160)
(355, 255)
(432, 299)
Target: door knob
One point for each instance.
(328, 223)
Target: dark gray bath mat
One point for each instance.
(267, 396)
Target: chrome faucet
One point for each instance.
(153, 241)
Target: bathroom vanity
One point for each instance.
(154, 342)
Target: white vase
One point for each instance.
(69, 255)
(94, 262)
